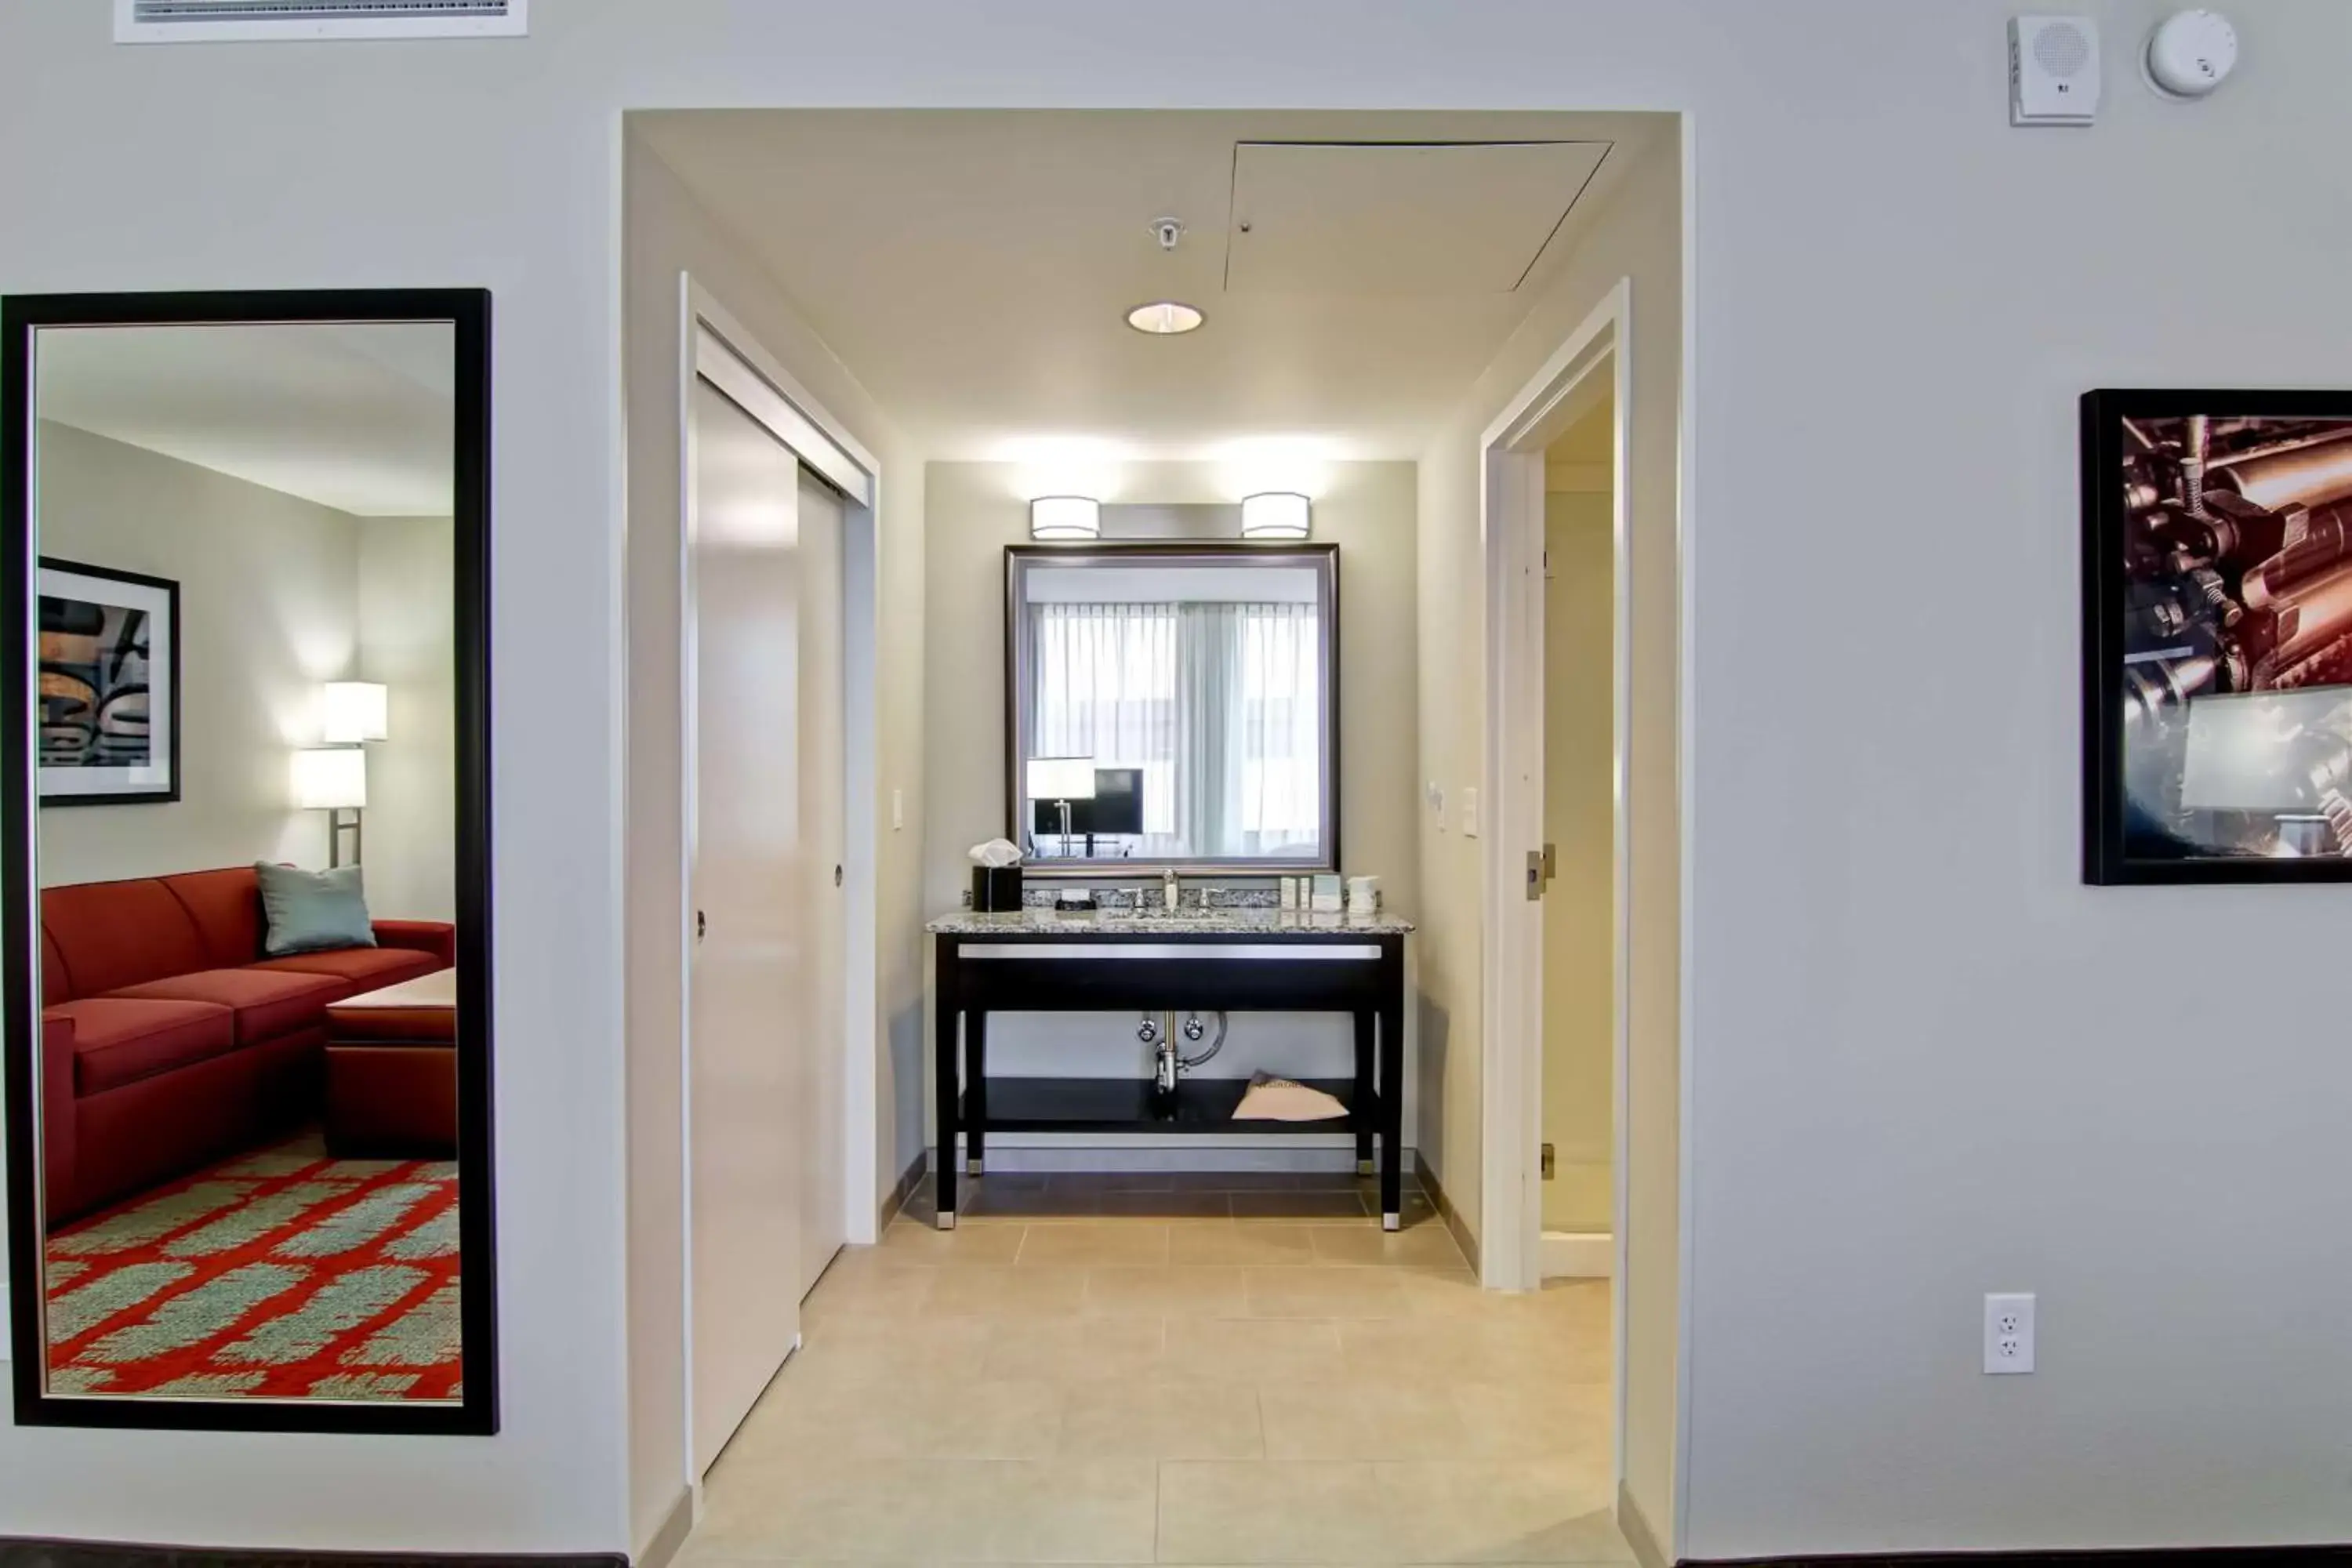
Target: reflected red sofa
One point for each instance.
(168, 1039)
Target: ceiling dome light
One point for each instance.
(1164, 318)
(1064, 517)
(1275, 514)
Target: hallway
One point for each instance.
(1212, 1391)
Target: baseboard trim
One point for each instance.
(895, 1203)
(35, 1552)
(1577, 1254)
(1634, 1525)
(1463, 1236)
(676, 1526)
(2082, 1557)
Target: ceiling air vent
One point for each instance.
(242, 21)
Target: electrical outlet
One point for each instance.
(2008, 1335)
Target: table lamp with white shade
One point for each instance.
(350, 712)
(1061, 780)
(333, 779)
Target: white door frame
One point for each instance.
(713, 344)
(1594, 359)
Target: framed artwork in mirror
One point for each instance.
(248, 1082)
(2217, 645)
(110, 686)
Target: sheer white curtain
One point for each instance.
(1278, 729)
(1106, 689)
(1220, 705)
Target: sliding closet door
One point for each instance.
(825, 1217)
(749, 878)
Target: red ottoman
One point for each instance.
(391, 1070)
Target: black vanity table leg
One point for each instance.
(976, 1077)
(1393, 1087)
(1366, 1023)
(945, 1090)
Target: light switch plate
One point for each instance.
(1469, 812)
(897, 810)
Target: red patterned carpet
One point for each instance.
(280, 1274)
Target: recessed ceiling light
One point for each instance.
(1164, 318)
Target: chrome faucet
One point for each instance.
(1171, 889)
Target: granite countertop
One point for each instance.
(1252, 922)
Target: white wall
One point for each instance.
(1637, 238)
(668, 233)
(973, 512)
(265, 615)
(277, 595)
(407, 640)
(1888, 935)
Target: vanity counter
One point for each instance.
(1249, 922)
(1201, 960)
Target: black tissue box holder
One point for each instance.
(996, 890)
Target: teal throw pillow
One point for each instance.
(312, 911)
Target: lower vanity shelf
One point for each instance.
(1132, 1105)
(1226, 961)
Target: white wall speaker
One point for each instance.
(2054, 70)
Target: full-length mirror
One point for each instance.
(1172, 704)
(246, 860)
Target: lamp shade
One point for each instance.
(327, 778)
(1061, 778)
(353, 710)
(1064, 517)
(1275, 514)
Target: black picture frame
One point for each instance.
(467, 310)
(170, 590)
(1322, 557)
(2123, 438)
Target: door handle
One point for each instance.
(837, 876)
(701, 925)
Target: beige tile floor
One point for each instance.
(1197, 1391)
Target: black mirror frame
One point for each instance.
(468, 311)
(1323, 557)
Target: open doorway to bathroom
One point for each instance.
(1079, 346)
(1576, 1165)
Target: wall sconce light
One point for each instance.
(1064, 517)
(350, 712)
(1276, 514)
(333, 779)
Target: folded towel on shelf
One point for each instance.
(1271, 1099)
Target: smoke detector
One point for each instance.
(2190, 53)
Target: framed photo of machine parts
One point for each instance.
(2217, 642)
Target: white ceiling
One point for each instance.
(359, 417)
(972, 268)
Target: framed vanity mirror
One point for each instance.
(1172, 704)
(244, 848)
